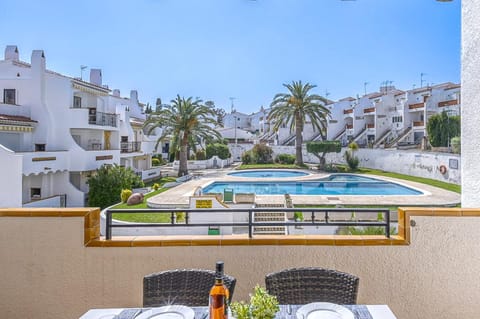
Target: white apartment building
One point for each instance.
(380, 119)
(56, 130)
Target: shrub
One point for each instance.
(218, 149)
(262, 154)
(352, 160)
(285, 159)
(156, 186)
(126, 193)
(442, 126)
(107, 183)
(200, 155)
(455, 143)
(155, 162)
(247, 157)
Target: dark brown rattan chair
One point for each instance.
(299, 286)
(188, 287)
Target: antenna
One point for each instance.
(232, 109)
(326, 93)
(82, 67)
(421, 79)
(365, 87)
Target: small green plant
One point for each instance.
(156, 186)
(126, 193)
(298, 216)
(155, 162)
(180, 217)
(262, 306)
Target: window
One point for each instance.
(397, 119)
(77, 102)
(35, 193)
(39, 147)
(9, 96)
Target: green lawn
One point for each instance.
(145, 217)
(432, 182)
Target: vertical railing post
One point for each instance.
(173, 218)
(250, 226)
(108, 225)
(186, 218)
(387, 226)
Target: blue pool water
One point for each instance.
(268, 174)
(357, 185)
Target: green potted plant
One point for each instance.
(261, 306)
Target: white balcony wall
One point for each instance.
(45, 162)
(11, 177)
(92, 160)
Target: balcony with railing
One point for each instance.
(418, 124)
(370, 125)
(130, 147)
(447, 103)
(369, 110)
(62, 267)
(90, 118)
(416, 106)
(348, 112)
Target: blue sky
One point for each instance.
(217, 49)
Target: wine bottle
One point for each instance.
(219, 295)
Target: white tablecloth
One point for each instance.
(377, 312)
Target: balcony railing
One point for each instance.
(313, 217)
(104, 119)
(369, 110)
(349, 126)
(416, 106)
(130, 147)
(418, 123)
(370, 125)
(348, 111)
(447, 103)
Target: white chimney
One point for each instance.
(38, 60)
(96, 76)
(134, 95)
(116, 92)
(11, 53)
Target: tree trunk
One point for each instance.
(298, 140)
(183, 166)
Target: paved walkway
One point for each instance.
(178, 197)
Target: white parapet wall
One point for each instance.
(409, 162)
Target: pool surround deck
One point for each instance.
(178, 197)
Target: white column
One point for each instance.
(470, 100)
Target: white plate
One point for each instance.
(324, 310)
(168, 312)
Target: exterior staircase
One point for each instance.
(399, 138)
(289, 140)
(382, 138)
(272, 217)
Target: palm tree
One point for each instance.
(294, 107)
(185, 122)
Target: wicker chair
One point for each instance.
(188, 287)
(305, 285)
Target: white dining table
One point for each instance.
(377, 312)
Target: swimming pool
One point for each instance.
(358, 185)
(268, 174)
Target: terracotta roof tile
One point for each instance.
(15, 118)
